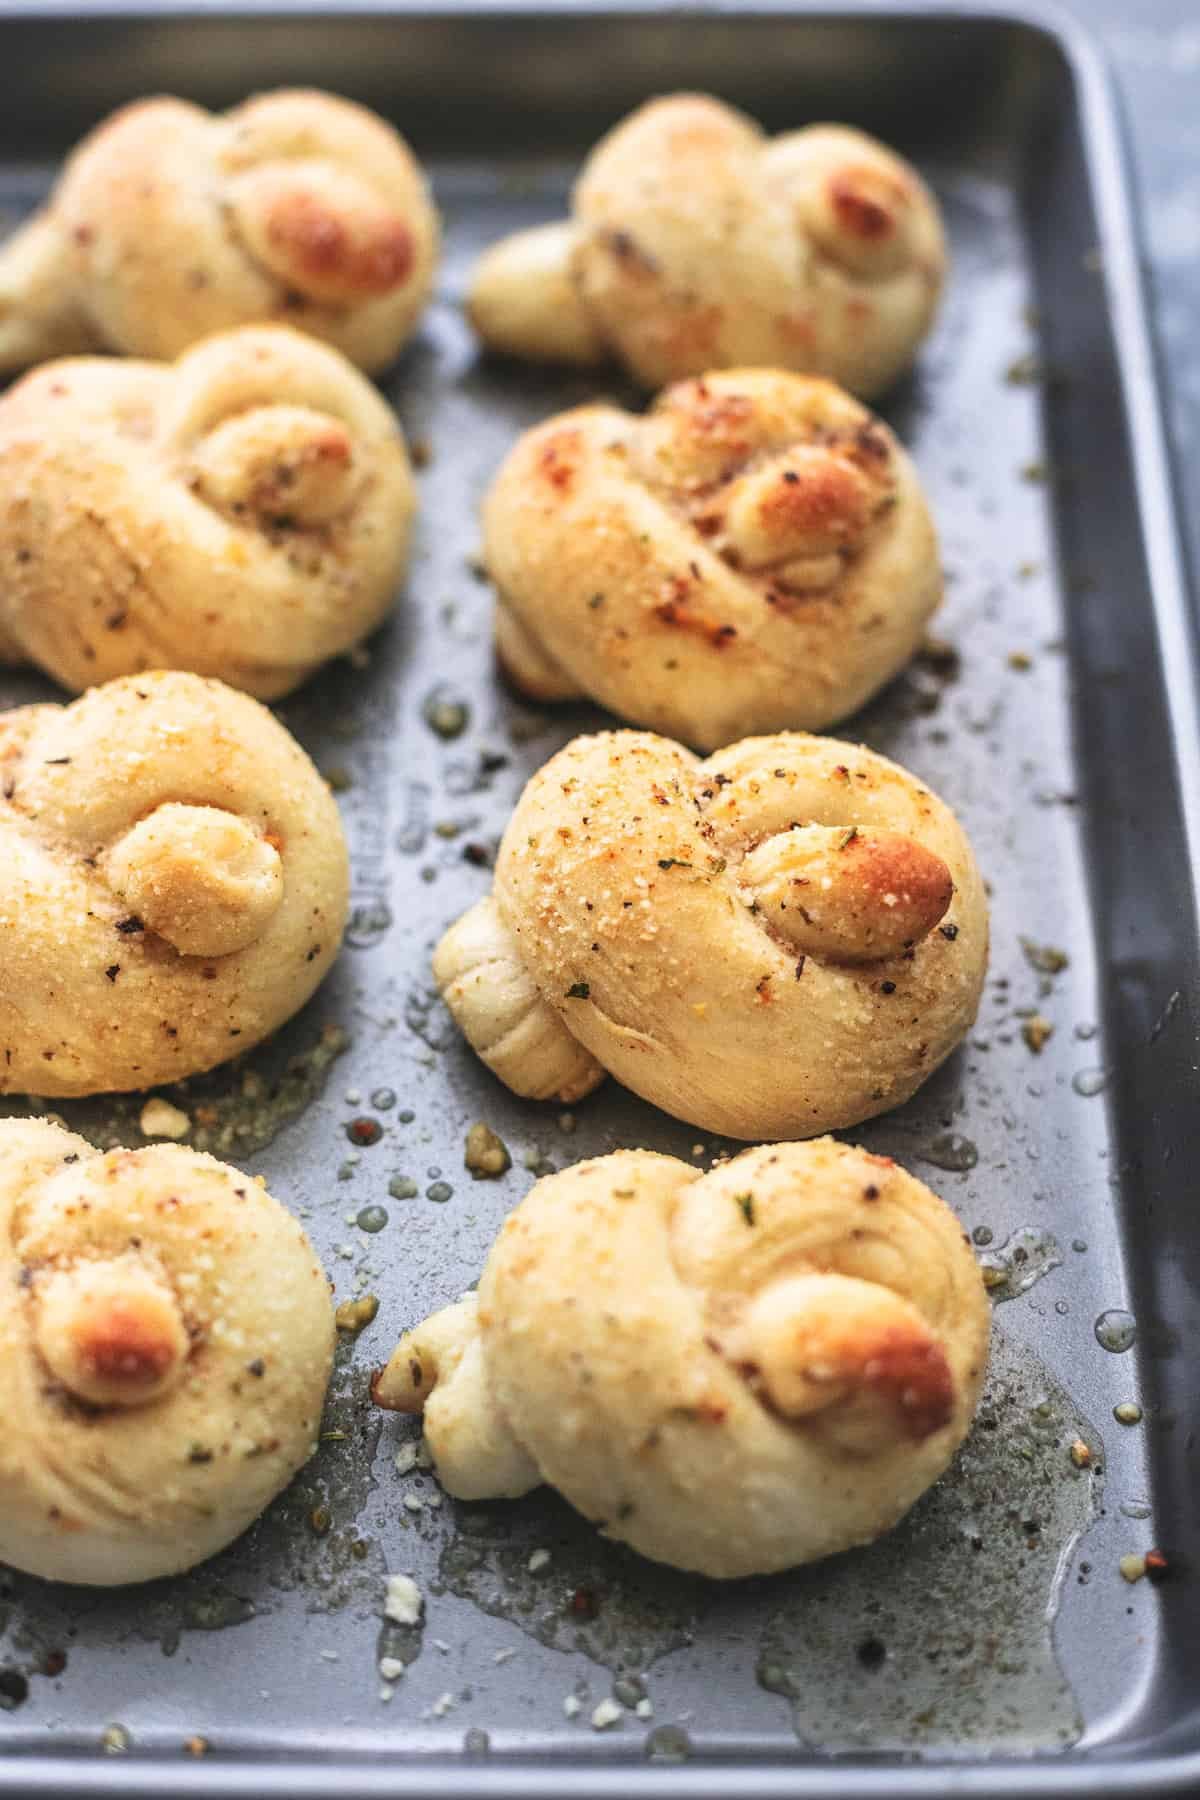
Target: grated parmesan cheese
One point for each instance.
(402, 1600)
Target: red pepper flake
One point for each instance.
(112, 971)
(364, 1132)
(557, 459)
(584, 1603)
(677, 613)
(1157, 1565)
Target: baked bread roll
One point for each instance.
(696, 242)
(168, 223)
(781, 940)
(166, 1338)
(173, 884)
(244, 512)
(753, 554)
(732, 1372)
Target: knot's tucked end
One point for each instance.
(852, 1353)
(283, 463)
(484, 981)
(408, 1377)
(203, 879)
(322, 230)
(800, 512)
(861, 216)
(111, 1332)
(440, 1370)
(845, 893)
(524, 301)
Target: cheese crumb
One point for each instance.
(391, 1668)
(413, 1455)
(607, 1713)
(159, 1119)
(572, 1706)
(645, 1708)
(402, 1602)
(442, 1705)
(538, 1561)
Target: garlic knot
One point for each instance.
(732, 1372)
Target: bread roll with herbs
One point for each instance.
(781, 940)
(696, 242)
(754, 554)
(168, 223)
(173, 884)
(245, 512)
(732, 1372)
(166, 1338)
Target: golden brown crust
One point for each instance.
(165, 1345)
(698, 243)
(646, 899)
(169, 223)
(244, 512)
(179, 796)
(334, 254)
(732, 1372)
(753, 554)
(849, 894)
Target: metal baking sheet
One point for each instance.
(990, 1645)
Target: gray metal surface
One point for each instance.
(1155, 54)
(982, 1628)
